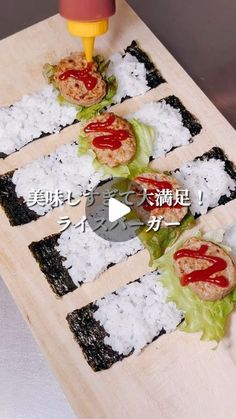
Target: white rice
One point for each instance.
(136, 314)
(62, 170)
(230, 240)
(87, 255)
(130, 75)
(40, 113)
(209, 177)
(29, 118)
(168, 126)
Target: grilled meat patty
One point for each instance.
(126, 148)
(205, 290)
(75, 91)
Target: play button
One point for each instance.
(117, 210)
(109, 212)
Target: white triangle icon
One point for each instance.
(117, 210)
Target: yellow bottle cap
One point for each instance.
(88, 31)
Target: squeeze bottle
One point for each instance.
(87, 19)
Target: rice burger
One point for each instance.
(199, 274)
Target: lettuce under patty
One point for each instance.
(157, 242)
(208, 318)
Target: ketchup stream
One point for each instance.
(205, 275)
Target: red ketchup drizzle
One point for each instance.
(160, 185)
(82, 75)
(112, 140)
(218, 264)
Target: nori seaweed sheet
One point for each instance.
(50, 263)
(189, 120)
(218, 154)
(15, 208)
(90, 334)
(154, 77)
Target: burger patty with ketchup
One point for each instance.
(78, 81)
(111, 138)
(206, 268)
(151, 185)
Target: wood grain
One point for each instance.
(177, 377)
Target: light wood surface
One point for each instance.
(176, 377)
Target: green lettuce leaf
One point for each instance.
(82, 112)
(145, 137)
(102, 64)
(157, 242)
(208, 318)
(48, 73)
(91, 111)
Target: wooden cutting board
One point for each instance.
(177, 377)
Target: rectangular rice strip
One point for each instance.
(63, 170)
(71, 258)
(214, 175)
(124, 322)
(40, 114)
